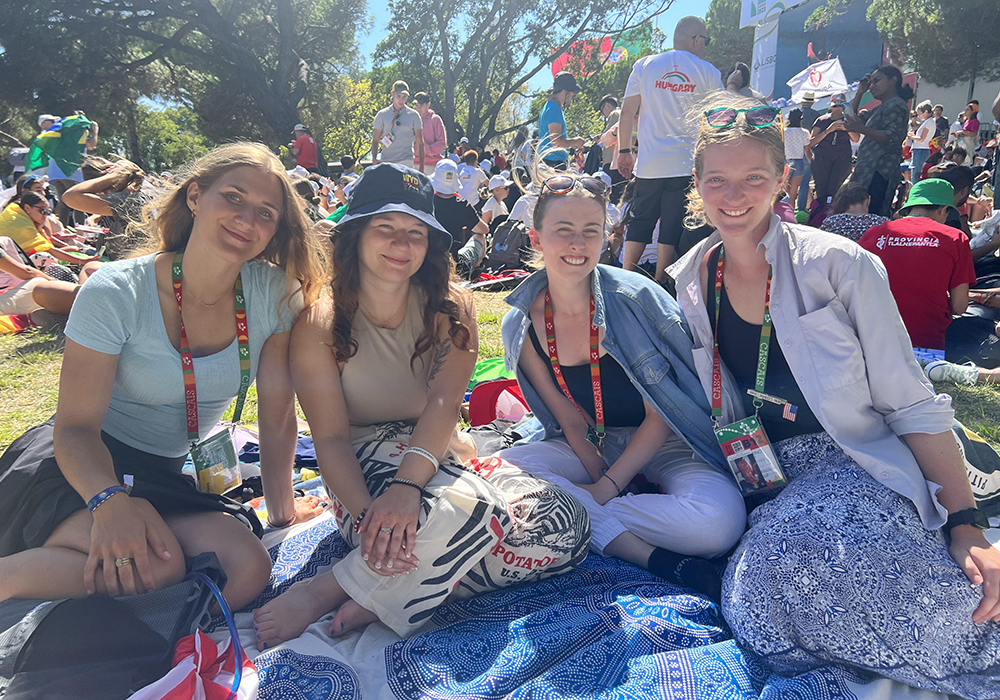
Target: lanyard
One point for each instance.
(595, 367)
(765, 342)
(187, 362)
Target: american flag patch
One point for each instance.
(789, 412)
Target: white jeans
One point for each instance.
(700, 512)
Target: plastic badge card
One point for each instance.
(750, 455)
(215, 463)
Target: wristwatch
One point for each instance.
(625, 150)
(969, 516)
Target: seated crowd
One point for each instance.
(764, 435)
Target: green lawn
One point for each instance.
(29, 379)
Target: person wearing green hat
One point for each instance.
(929, 264)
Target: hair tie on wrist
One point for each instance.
(613, 483)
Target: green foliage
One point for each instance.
(729, 43)
(946, 41)
(346, 122)
(167, 138)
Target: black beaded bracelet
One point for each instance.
(407, 482)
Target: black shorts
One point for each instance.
(661, 199)
(35, 497)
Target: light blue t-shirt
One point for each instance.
(552, 113)
(117, 312)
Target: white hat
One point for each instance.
(486, 164)
(299, 127)
(499, 181)
(603, 177)
(464, 139)
(445, 178)
(505, 173)
(47, 118)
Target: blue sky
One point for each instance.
(665, 21)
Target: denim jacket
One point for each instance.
(645, 333)
(840, 331)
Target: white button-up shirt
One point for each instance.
(840, 331)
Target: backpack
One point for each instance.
(510, 245)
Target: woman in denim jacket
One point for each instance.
(849, 564)
(616, 343)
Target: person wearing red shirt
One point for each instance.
(929, 264)
(304, 149)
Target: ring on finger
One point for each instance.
(123, 561)
(386, 529)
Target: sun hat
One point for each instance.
(391, 187)
(499, 181)
(47, 118)
(603, 177)
(932, 192)
(809, 97)
(445, 179)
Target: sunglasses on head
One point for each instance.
(757, 117)
(563, 184)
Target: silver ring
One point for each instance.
(386, 529)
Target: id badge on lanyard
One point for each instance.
(390, 135)
(215, 462)
(746, 446)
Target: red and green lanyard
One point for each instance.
(765, 344)
(594, 436)
(187, 361)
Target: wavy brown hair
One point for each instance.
(166, 222)
(436, 277)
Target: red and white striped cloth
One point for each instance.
(203, 670)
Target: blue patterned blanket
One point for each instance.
(606, 630)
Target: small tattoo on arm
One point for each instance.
(441, 350)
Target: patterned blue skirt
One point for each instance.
(838, 568)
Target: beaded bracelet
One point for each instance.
(407, 482)
(95, 502)
(614, 483)
(423, 453)
(357, 520)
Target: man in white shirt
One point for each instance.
(471, 177)
(666, 86)
(398, 131)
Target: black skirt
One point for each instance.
(35, 497)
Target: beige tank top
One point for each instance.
(379, 384)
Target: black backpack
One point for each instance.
(510, 246)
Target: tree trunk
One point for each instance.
(133, 137)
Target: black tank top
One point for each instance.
(623, 407)
(738, 348)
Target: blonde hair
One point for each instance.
(770, 136)
(167, 221)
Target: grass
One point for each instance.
(29, 379)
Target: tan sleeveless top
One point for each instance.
(379, 385)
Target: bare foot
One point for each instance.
(288, 615)
(351, 616)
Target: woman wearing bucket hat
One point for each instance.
(380, 370)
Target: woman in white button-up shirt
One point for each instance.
(849, 563)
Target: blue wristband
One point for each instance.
(95, 502)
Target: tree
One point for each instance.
(477, 55)
(729, 43)
(244, 66)
(167, 138)
(946, 41)
(349, 119)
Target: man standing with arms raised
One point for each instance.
(666, 86)
(398, 131)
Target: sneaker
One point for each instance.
(942, 371)
(48, 320)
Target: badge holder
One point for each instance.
(748, 451)
(215, 462)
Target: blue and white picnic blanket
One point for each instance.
(606, 630)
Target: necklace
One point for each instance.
(387, 323)
(206, 305)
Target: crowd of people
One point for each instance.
(736, 400)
